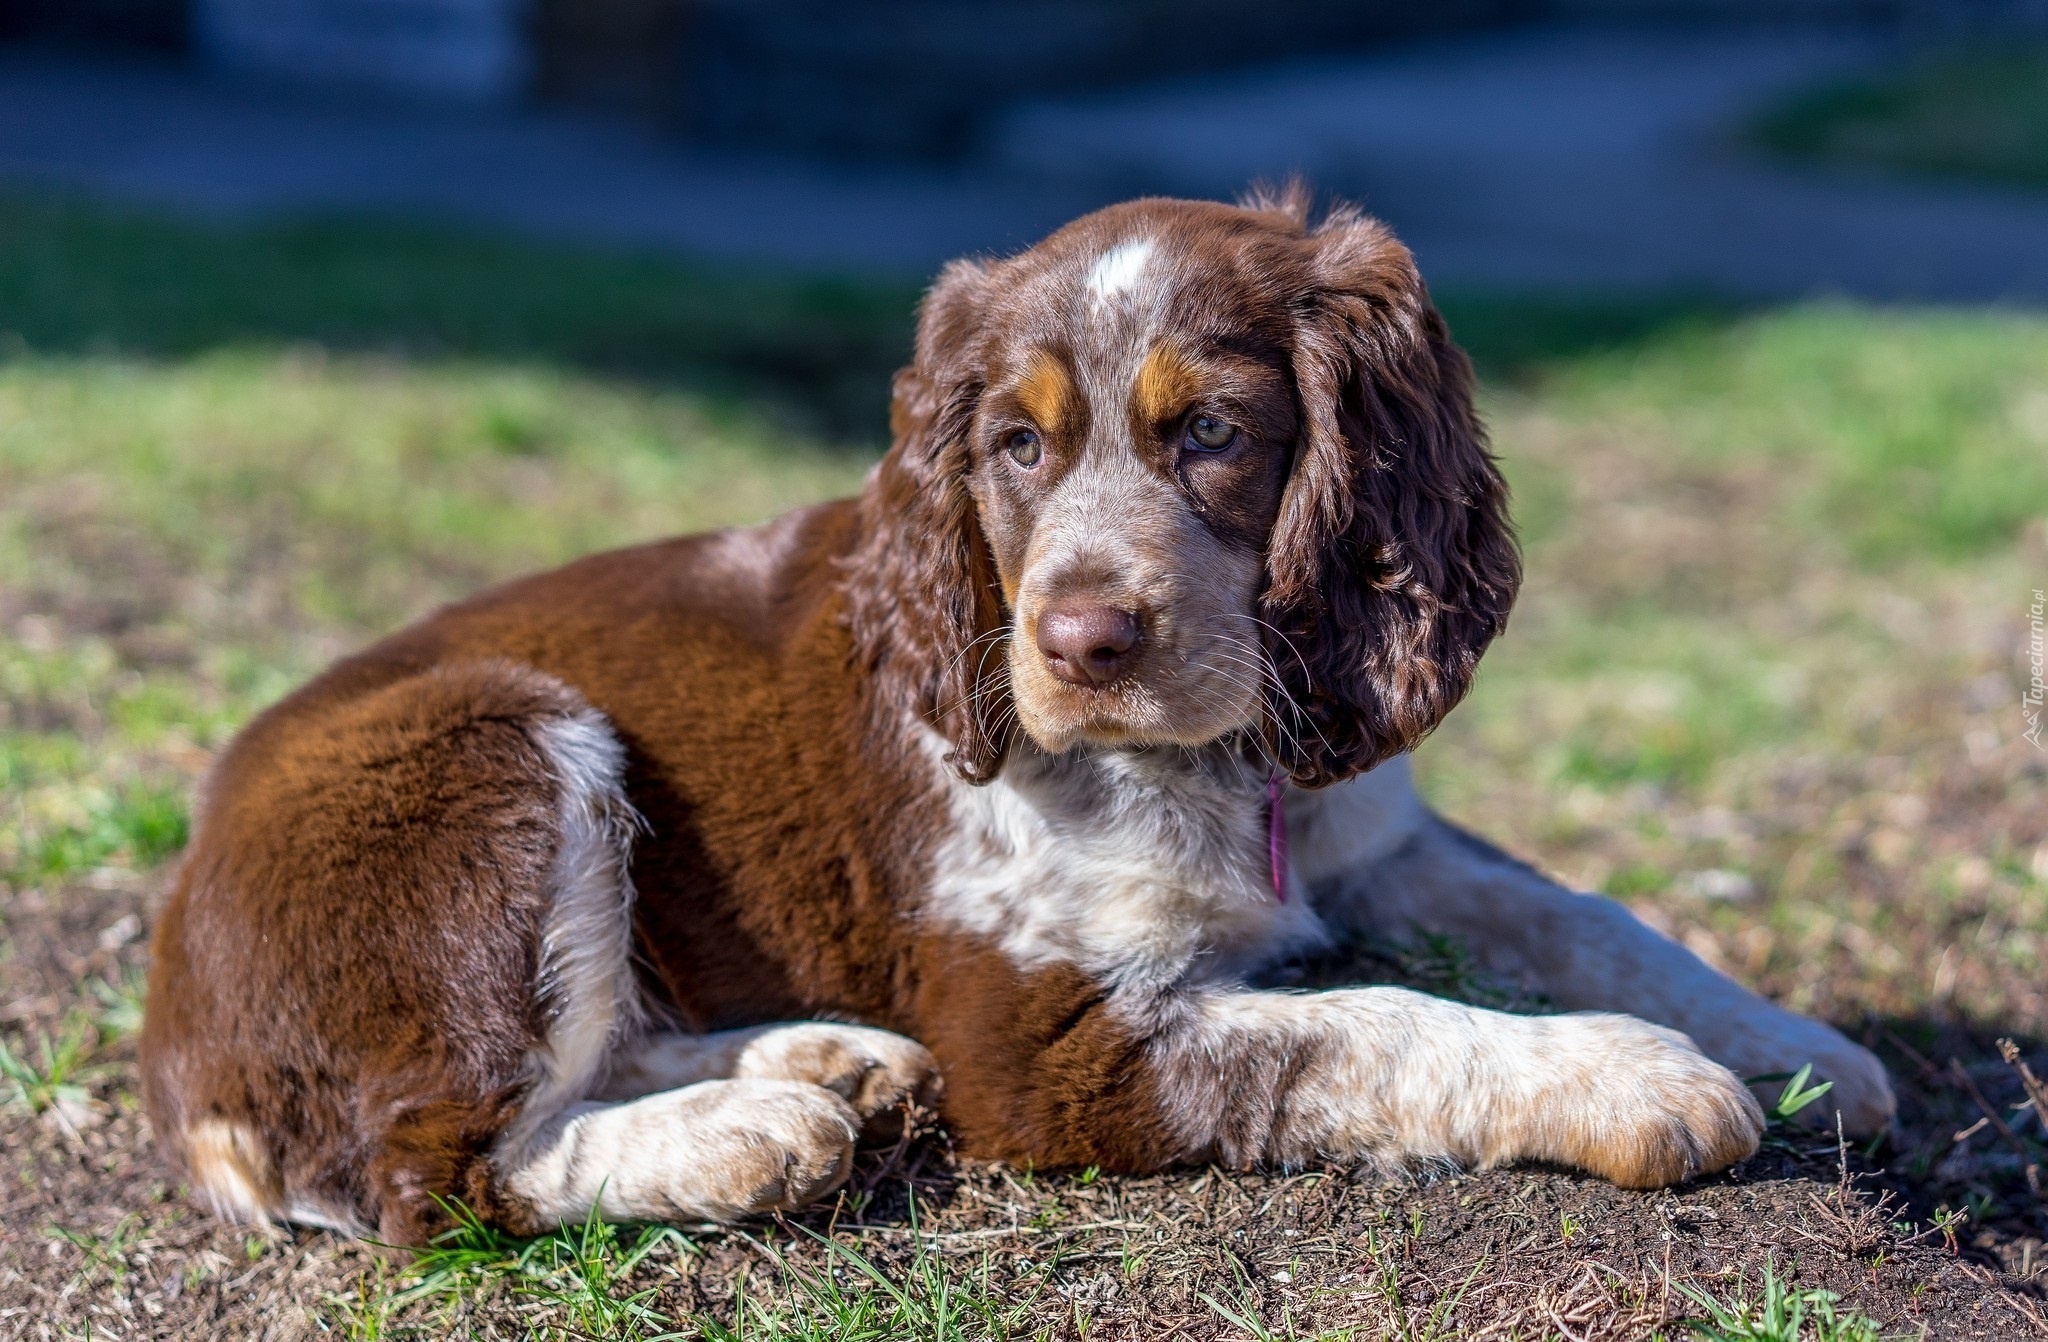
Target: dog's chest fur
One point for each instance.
(1140, 867)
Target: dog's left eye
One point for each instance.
(1210, 434)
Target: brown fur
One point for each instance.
(385, 826)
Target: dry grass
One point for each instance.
(1764, 686)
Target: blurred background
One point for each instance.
(1524, 142)
(315, 313)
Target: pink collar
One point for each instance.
(1276, 835)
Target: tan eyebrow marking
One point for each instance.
(1165, 384)
(1047, 393)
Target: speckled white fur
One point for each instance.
(1118, 271)
(1146, 868)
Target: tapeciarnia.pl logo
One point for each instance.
(2037, 659)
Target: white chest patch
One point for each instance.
(1117, 271)
(1141, 868)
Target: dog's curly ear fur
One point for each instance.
(923, 599)
(1392, 563)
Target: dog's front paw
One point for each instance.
(1640, 1106)
(872, 1070)
(753, 1147)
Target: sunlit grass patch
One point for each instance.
(1754, 514)
(846, 1295)
(182, 541)
(228, 454)
(1894, 435)
(577, 1282)
(138, 826)
(597, 1280)
(53, 1074)
(346, 489)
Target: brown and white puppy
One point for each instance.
(554, 902)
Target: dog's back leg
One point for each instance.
(396, 964)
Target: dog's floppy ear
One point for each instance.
(922, 594)
(1392, 563)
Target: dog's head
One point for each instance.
(1181, 471)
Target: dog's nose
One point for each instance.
(1087, 645)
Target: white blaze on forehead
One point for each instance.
(1118, 270)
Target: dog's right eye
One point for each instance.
(1025, 447)
(1211, 434)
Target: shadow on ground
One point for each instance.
(815, 350)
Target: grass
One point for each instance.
(1764, 685)
(1978, 112)
(79, 280)
(1782, 1313)
(1774, 535)
(584, 1280)
(120, 1003)
(50, 1080)
(578, 1273)
(1796, 1095)
(190, 527)
(104, 1254)
(188, 538)
(846, 1297)
(1433, 1320)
